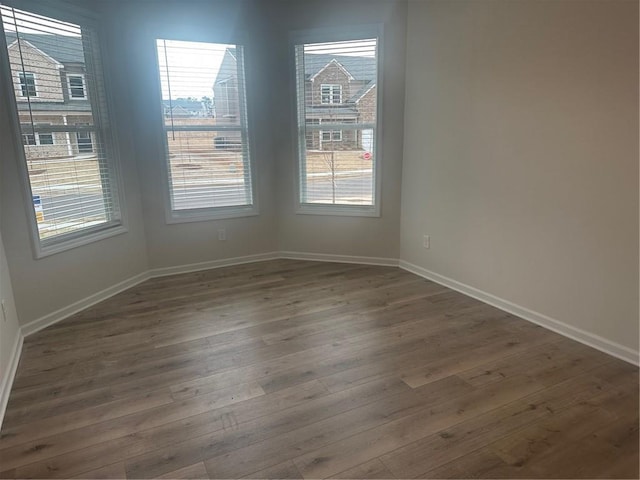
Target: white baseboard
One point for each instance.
(324, 257)
(226, 262)
(10, 373)
(574, 333)
(582, 336)
(65, 312)
(562, 328)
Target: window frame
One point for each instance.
(206, 213)
(86, 19)
(25, 85)
(332, 135)
(28, 137)
(331, 94)
(70, 88)
(39, 138)
(337, 34)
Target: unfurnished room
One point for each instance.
(319, 239)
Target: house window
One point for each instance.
(45, 138)
(85, 144)
(76, 87)
(208, 167)
(37, 138)
(331, 93)
(89, 209)
(332, 136)
(27, 84)
(337, 127)
(28, 139)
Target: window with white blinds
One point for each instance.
(205, 129)
(337, 104)
(68, 161)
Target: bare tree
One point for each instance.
(330, 159)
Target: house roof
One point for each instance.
(228, 67)
(336, 111)
(62, 48)
(362, 92)
(184, 103)
(361, 68)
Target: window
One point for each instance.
(85, 145)
(337, 83)
(45, 138)
(331, 93)
(332, 136)
(77, 195)
(28, 139)
(76, 87)
(27, 84)
(205, 129)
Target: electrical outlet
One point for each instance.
(426, 241)
(4, 310)
(222, 234)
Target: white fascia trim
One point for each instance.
(332, 62)
(587, 338)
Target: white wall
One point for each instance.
(135, 28)
(374, 237)
(48, 284)
(9, 330)
(521, 155)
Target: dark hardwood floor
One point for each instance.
(288, 369)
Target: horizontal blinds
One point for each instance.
(204, 117)
(337, 120)
(61, 110)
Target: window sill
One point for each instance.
(338, 210)
(203, 215)
(59, 246)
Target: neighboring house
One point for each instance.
(342, 90)
(226, 99)
(186, 107)
(53, 90)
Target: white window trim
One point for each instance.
(84, 86)
(39, 142)
(45, 248)
(336, 34)
(332, 135)
(35, 84)
(208, 213)
(332, 88)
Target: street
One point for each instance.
(353, 189)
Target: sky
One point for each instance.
(193, 67)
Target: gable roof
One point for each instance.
(337, 64)
(63, 49)
(362, 92)
(228, 66)
(185, 103)
(360, 68)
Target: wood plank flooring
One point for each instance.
(293, 369)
